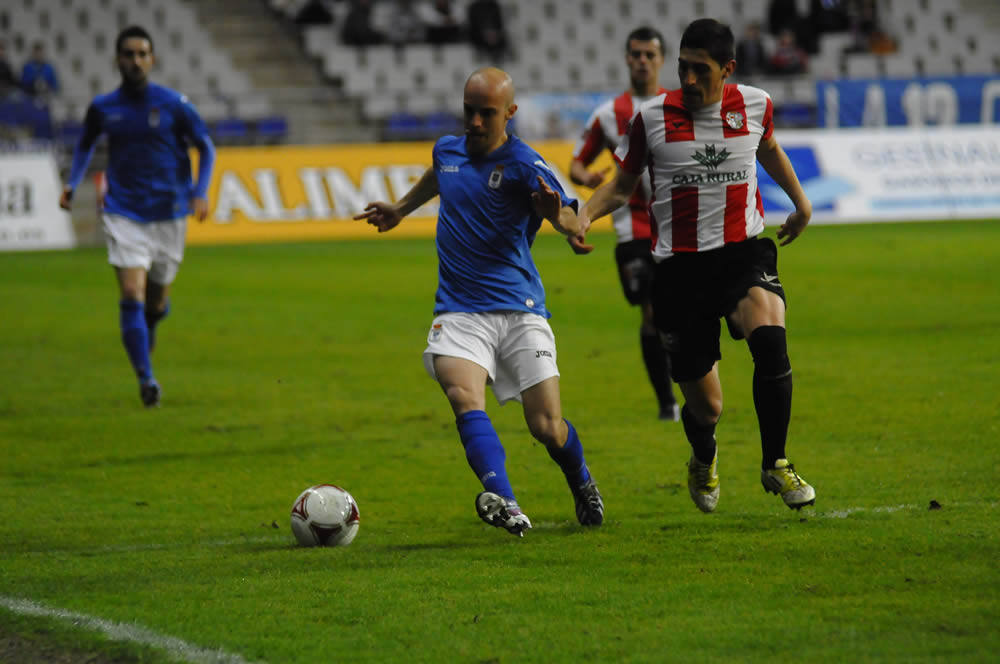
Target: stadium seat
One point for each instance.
(229, 131)
(271, 129)
(862, 65)
(941, 64)
(403, 126)
(900, 65)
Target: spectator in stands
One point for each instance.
(751, 56)
(8, 81)
(828, 16)
(38, 76)
(782, 15)
(868, 35)
(441, 20)
(313, 12)
(400, 22)
(788, 56)
(486, 28)
(358, 30)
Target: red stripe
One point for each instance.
(760, 203)
(654, 226)
(735, 225)
(640, 216)
(677, 122)
(768, 120)
(734, 112)
(592, 145)
(635, 158)
(684, 219)
(623, 112)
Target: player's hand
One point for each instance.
(381, 215)
(199, 208)
(793, 226)
(595, 178)
(578, 244)
(66, 199)
(546, 202)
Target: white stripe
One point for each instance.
(844, 513)
(176, 648)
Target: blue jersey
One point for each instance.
(149, 134)
(486, 226)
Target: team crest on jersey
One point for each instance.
(496, 177)
(734, 119)
(154, 117)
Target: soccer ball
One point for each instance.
(325, 515)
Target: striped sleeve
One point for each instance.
(631, 151)
(591, 142)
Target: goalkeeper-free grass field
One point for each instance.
(287, 366)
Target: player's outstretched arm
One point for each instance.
(609, 197)
(579, 174)
(386, 216)
(81, 156)
(776, 163)
(547, 203)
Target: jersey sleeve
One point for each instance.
(85, 146)
(539, 168)
(631, 151)
(768, 121)
(197, 133)
(591, 142)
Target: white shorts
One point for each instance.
(157, 247)
(516, 348)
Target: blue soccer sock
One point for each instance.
(135, 336)
(570, 458)
(484, 452)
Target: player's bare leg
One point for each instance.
(760, 315)
(135, 333)
(157, 307)
(702, 410)
(543, 415)
(657, 362)
(464, 384)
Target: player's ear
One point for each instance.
(511, 110)
(728, 69)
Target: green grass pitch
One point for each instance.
(289, 365)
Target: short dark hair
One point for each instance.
(130, 32)
(712, 36)
(646, 33)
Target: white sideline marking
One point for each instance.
(176, 648)
(843, 514)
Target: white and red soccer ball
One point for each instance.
(325, 515)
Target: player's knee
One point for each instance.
(548, 430)
(770, 351)
(705, 411)
(460, 397)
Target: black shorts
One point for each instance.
(635, 270)
(692, 291)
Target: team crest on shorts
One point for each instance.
(154, 117)
(734, 120)
(496, 177)
(435, 331)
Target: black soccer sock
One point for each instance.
(701, 437)
(772, 390)
(657, 366)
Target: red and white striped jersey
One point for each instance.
(702, 165)
(604, 130)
